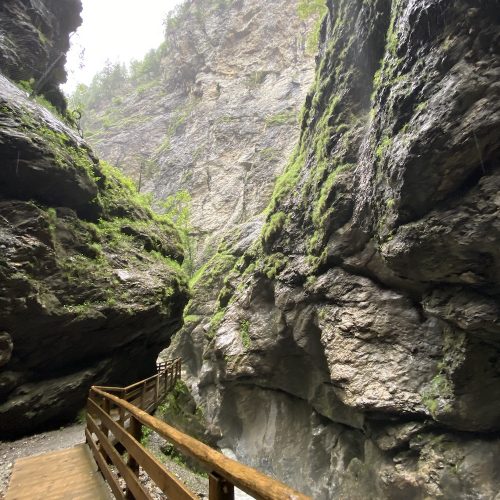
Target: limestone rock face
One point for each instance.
(91, 287)
(356, 340)
(220, 119)
(34, 39)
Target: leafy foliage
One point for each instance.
(177, 208)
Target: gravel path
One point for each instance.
(59, 439)
(195, 482)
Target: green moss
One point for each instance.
(321, 203)
(226, 294)
(316, 9)
(387, 74)
(245, 333)
(272, 265)
(383, 146)
(215, 322)
(269, 154)
(191, 318)
(287, 181)
(280, 118)
(213, 271)
(315, 242)
(437, 393)
(273, 227)
(421, 106)
(51, 219)
(119, 195)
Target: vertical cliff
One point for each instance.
(214, 110)
(91, 286)
(353, 350)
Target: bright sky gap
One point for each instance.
(118, 30)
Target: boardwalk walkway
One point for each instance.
(116, 418)
(59, 475)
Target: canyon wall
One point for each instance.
(91, 286)
(353, 348)
(34, 39)
(215, 110)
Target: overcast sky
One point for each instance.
(119, 30)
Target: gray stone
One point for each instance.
(6, 347)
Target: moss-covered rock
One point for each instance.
(369, 306)
(91, 285)
(34, 36)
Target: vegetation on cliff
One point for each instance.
(349, 309)
(212, 111)
(87, 269)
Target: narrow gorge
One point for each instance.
(312, 225)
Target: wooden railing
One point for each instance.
(147, 393)
(114, 428)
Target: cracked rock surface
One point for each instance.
(220, 119)
(356, 339)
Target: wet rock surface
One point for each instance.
(34, 39)
(359, 331)
(220, 119)
(91, 287)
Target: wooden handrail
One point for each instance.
(161, 367)
(246, 478)
(119, 415)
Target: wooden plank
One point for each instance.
(250, 480)
(103, 467)
(132, 482)
(155, 469)
(69, 473)
(219, 488)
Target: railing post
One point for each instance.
(121, 418)
(87, 408)
(219, 488)
(157, 389)
(106, 406)
(143, 396)
(135, 430)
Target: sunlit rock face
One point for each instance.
(34, 39)
(353, 350)
(90, 281)
(220, 118)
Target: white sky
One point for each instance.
(119, 30)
